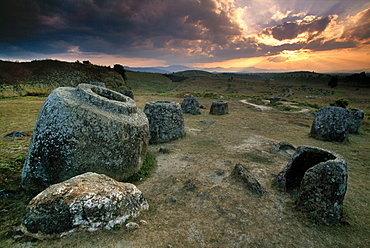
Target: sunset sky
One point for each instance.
(288, 35)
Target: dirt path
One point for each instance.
(261, 107)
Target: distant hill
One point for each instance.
(57, 73)
(194, 73)
(147, 69)
(160, 69)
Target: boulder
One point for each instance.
(190, 105)
(128, 93)
(90, 201)
(320, 177)
(219, 108)
(331, 124)
(85, 129)
(166, 121)
(355, 117)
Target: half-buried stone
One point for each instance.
(320, 177)
(85, 129)
(166, 121)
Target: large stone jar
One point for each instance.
(166, 121)
(331, 124)
(85, 129)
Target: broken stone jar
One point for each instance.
(320, 179)
(85, 129)
(166, 121)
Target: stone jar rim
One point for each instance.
(106, 99)
(162, 103)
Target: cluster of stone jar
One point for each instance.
(93, 129)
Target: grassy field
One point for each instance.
(195, 199)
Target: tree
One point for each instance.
(333, 82)
(121, 70)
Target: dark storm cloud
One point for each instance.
(290, 30)
(182, 30)
(113, 26)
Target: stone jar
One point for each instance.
(219, 108)
(85, 129)
(320, 177)
(355, 117)
(331, 124)
(166, 121)
(190, 105)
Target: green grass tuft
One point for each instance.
(146, 170)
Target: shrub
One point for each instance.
(340, 102)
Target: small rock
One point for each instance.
(16, 134)
(171, 200)
(143, 223)
(209, 122)
(4, 194)
(190, 185)
(132, 226)
(164, 150)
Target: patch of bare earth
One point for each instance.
(196, 200)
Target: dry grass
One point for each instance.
(195, 198)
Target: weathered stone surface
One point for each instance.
(90, 201)
(166, 121)
(331, 124)
(128, 93)
(251, 182)
(100, 84)
(321, 179)
(190, 105)
(355, 117)
(82, 129)
(219, 108)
